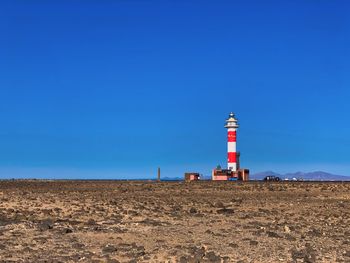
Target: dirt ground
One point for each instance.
(135, 221)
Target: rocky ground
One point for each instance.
(116, 221)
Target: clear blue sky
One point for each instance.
(112, 89)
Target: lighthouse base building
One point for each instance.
(233, 171)
(241, 174)
(229, 175)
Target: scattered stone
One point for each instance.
(78, 245)
(219, 205)
(109, 249)
(226, 259)
(152, 222)
(225, 211)
(253, 243)
(290, 237)
(307, 255)
(67, 231)
(212, 257)
(46, 225)
(272, 234)
(286, 229)
(91, 222)
(234, 245)
(197, 253)
(193, 210)
(183, 259)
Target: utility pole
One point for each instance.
(158, 178)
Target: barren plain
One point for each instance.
(140, 221)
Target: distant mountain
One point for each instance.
(312, 176)
(262, 175)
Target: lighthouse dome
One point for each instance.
(231, 122)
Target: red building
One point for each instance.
(192, 177)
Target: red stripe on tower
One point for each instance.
(231, 136)
(231, 157)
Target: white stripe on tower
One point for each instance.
(231, 146)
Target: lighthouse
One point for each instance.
(234, 171)
(231, 126)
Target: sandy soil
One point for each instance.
(111, 221)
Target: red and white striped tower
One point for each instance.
(231, 125)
